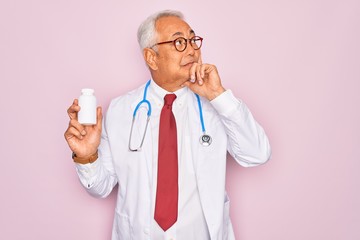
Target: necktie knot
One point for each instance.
(169, 99)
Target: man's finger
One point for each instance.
(203, 68)
(78, 126)
(99, 117)
(72, 132)
(193, 72)
(73, 110)
(200, 59)
(198, 74)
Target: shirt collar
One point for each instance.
(158, 94)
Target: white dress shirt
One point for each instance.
(191, 223)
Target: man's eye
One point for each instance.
(179, 42)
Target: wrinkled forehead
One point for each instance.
(170, 27)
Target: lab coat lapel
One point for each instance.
(204, 169)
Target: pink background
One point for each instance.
(295, 63)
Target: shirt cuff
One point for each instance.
(86, 173)
(225, 103)
(86, 167)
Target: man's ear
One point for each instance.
(150, 58)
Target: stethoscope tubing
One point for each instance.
(145, 101)
(200, 113)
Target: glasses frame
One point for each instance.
(186, 43)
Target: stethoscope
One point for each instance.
(205, 139)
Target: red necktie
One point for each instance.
(166, 205)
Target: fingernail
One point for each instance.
(200, 82)
(83, 132)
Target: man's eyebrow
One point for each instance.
(178, 34)
(181, 34)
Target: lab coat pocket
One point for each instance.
(121, 228)
(227, 227)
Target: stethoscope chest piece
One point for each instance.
(205, 140)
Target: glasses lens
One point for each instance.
(196, 42)
(180, 44)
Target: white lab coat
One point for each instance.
(232, 129)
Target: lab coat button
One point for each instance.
(146, 231)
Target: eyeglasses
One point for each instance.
(180, 43)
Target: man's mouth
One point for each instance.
(189, 64)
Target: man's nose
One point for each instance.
(189, 49)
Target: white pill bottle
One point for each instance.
(87, 103)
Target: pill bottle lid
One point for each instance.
(87, 91)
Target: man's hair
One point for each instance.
(146, 34)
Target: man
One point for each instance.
(171, 184)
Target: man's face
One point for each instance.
(174, 66)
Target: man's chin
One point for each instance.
(182, 82)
